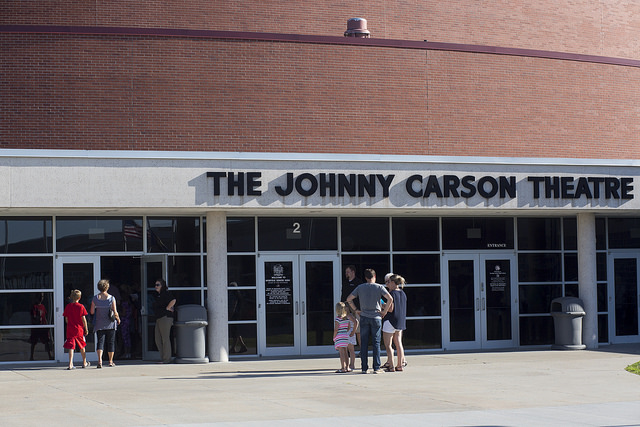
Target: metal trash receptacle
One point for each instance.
(567, 313)
(191, 333)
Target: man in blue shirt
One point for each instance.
(371, 313)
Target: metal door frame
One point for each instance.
(480, 292)
(298, 261)
(146, 303)
(611, 303)
(60, 298)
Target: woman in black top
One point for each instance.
(395, 322)
(163, 308)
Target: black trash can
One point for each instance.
(567, 313)
(191, 333)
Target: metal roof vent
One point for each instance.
(357, 27)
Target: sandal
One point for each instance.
(111, 365)
(389, 369)
(399, 368)
(86, 365)
(99, 365)
(341, 371)
(385, 366)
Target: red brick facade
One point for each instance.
(596, 27)
(131, 92)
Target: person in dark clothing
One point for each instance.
(348, 286)
(163, 308)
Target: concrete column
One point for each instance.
(218, 330)
(587, 278)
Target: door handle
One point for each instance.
(477, 304)
(483, 303)
(302, 306)
(296, 308)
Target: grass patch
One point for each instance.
(634, 369)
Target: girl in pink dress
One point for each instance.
(341, 336)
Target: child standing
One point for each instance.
(341, 336)
(75, 317)
(353, 326)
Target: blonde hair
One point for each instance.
(103, 285)
(341, 309)
(75, 295)
(398, 280)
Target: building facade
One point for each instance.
(488, 156)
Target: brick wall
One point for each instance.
(147, 93)
(597, 27)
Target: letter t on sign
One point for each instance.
(216, 181)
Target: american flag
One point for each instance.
(131, 229)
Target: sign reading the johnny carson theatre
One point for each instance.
(424, 186)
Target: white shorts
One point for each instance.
(388, 327)
(353, 340)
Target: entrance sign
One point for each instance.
(497, 279)
(279, 286)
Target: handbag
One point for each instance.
(112, 314)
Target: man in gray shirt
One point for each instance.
(371, 313)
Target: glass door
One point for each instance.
(478, 301)
(296, 303)
(80, 273)
(320, 290)
(624, 299)
(153, 268)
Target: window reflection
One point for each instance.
(365, 234)
(15, 345)
(243, 338)
(297, 233)
(537, 298)
(624, 233)
(26, 272)
(418, 268)
(422, 334)
(423, 301)
(184, 271)
(25, 235)
(171, 235)
(242, 304)
(477, 233)
(536, 330)
(416, 234)
(98, 234)
(241, 234)
(539, 267)
(539, 233)
(18, 308)
(241, 269)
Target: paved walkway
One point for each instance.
(514, 388)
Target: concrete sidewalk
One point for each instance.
(497, 388)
